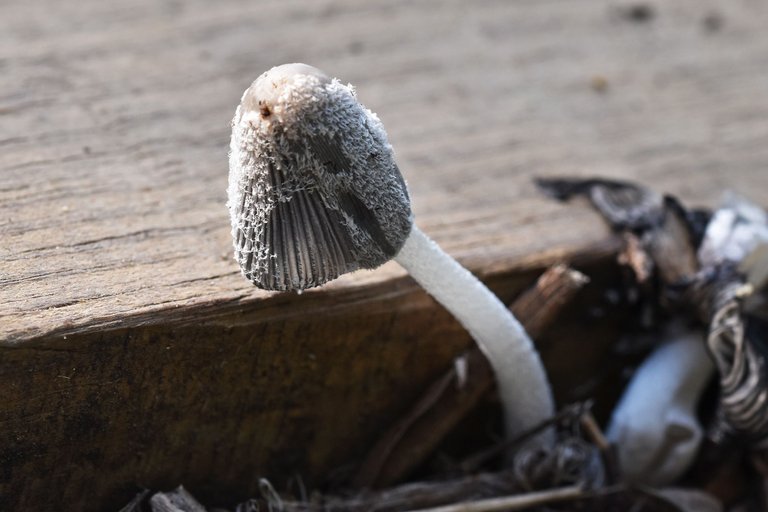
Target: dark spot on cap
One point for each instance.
(712, 22)
(328, 151)
(639, 13)
(366, 220)
(264, 110)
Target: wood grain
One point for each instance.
(114, 127)
(114, 243)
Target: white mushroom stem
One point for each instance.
(654, 427)
(522, 383)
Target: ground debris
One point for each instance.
(709, 268)
(571, 477)
(704, 270)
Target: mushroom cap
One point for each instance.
(314, 191)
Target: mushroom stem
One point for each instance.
(654, 427)
(522, 383)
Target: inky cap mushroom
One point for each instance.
(314, 191)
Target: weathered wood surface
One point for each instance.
(128, 334)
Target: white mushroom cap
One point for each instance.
(314, 191)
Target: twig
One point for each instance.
(592, 429)
(418, 495)
(607, 452)
(410, 441)
(538, 307)
(517, 502)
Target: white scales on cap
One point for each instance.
(314, 191)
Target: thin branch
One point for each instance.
(517, 502)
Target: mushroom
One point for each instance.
(314, 192)
(654, 427)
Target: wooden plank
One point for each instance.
(114, 241)
(216, 402)
(115, 126)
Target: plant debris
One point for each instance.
(704, 270)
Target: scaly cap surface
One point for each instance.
(314, 191)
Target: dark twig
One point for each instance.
(607, 453)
